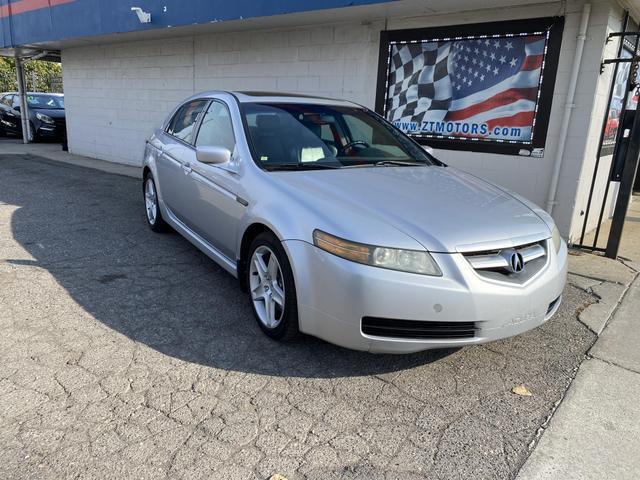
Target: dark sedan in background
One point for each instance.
(46, 114)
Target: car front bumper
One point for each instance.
(54, 131)
(335, 294)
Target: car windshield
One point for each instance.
(54, 102)
(294, 136)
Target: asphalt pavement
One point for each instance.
(128, 354)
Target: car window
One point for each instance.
(362, 131)
(16, 100)
(216, 129)
(297, 135)
(52, 102)
(7, 100)
(183, 122)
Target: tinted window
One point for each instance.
(182, 123)
(7, 100)
(55, 102)
(216, 129)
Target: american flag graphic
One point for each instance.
(484, 88)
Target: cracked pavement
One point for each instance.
(128, 354)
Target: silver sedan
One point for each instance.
(340, 226)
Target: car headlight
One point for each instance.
(44, 118)
(411, 261)
(556, 238)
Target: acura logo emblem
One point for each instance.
(516, 262)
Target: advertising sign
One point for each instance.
(488, 88)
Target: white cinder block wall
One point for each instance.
(116, 94)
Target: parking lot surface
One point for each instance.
(128, 354)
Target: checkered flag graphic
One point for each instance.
(419, 81)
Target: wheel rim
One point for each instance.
(267, 286)
(150, 203)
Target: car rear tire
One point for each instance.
(152, 206)
(272, 288)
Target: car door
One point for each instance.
(10, 116)
(217, 206)
(175, 160)
(3, 111)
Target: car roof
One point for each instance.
(277, 97)
(46, 93)
(35, 93)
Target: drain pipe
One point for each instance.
(569, 106)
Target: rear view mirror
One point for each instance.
(17, 108)
(213, 155)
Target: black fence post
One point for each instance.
(626, 188)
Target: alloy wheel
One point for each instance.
(267, 286)
(150, 201)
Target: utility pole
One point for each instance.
(24, 105)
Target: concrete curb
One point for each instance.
(582, 418)
(54, 152)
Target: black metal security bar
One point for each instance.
(626, 189)
(622, 34)
(630, 81)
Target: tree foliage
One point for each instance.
(40, 76)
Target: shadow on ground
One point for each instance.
(88, 230)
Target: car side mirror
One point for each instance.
(17, 108)
(213, 155)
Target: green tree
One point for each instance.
(40, 76)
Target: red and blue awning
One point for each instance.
(28, 22)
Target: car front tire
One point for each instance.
(272, 288)
(152, 206)
(35, 138)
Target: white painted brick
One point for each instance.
(223, 58)
(308, 84)
(299, 37)
(321, 35)
(287, 84)
(276, 39)
(321, 52)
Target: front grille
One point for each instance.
(497, 264)
(418, 329)
(61, 125)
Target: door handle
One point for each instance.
(186, 168)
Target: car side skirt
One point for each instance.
(202, 245)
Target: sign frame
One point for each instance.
(552, 26)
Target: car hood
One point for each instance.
(52, 112)
(444, 209)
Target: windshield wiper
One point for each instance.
(400, 163)
(301, 166)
